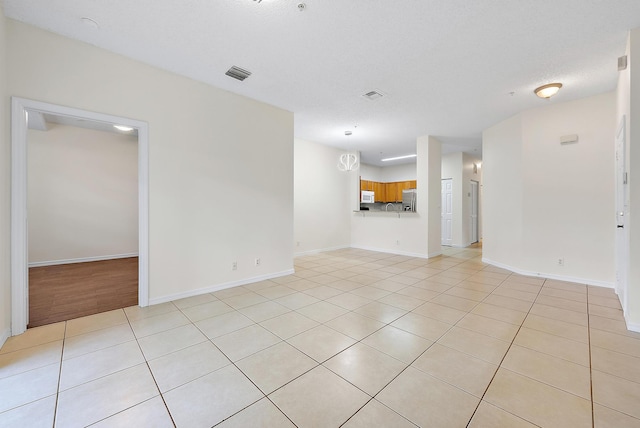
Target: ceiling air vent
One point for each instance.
(373, 95)
(238, 73)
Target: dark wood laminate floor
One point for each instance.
(64, 292)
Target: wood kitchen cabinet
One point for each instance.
(366, 185)
(379, 191)
(391, 192)
(387, 192)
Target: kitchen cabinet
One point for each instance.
(387, 192)
(366, 185)
(379, 191)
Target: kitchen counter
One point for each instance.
(383, 213)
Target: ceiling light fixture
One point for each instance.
(398, 158)
(547, 91)
(123, 128)
(347, 133)
(347, 162)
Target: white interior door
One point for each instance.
(474, 211)
(447, 211)
(622, 210)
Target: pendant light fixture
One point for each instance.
(347, 162)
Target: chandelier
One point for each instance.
(347, 162)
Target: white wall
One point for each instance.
(370, 172)
(429, 166)
(82, 194)
(628, 105)
(388, 174)
(393, 173)
(544, 201)
(220, 166)
(5, 195)
(502, 192)
(321, 194)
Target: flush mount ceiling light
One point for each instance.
(123, 128)
(547, 91)
(398, 158)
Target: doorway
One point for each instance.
(19, 230)
(82, 204)
(447, 212)
(474, 211)
(622, 210)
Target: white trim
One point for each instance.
(213, 288)
(632, 326)
(585, 281)
(19, 263)
(321, 250)
(400, 253)
(19, 277)
(82, 260)
(4, 336)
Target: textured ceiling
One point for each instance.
(447, 68)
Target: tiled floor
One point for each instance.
(354, 339)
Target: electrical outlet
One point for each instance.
(234, 266)
(258, 261)
(560, 261)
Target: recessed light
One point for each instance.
(398, 158)
(123, 128)
(547, 91)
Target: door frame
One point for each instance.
(477, 209)
(621, 207)
(443, 203)
(19, 229)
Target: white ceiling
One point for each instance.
(448, 68)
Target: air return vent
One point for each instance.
(373, 95)
(238, 73)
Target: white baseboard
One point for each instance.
(82, 260)
(631, 326)
(4, 336)
(398, 252)
(218, 287)
(318, 251)
(586, 281)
